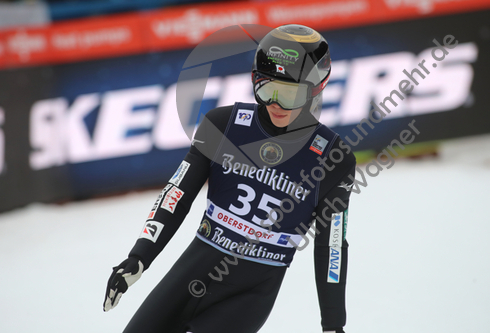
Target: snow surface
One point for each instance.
(418, 259)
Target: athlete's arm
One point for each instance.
(330, 244)
(171, 206)
(182, 188)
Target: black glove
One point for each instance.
(334, 330)
(122, 277)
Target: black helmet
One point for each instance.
(291, 67)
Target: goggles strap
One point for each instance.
(317, 89)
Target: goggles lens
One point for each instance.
(288, 95)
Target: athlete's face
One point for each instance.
(281, 117)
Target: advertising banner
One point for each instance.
(103, 126)
(185, 26)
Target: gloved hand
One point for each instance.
(336, 330)
(122, 277)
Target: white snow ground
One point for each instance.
(418, 256)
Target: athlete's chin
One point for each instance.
(280, 122)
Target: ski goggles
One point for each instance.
(287, 95)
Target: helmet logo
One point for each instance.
(277, 51)
(280, 69)
(287, 56)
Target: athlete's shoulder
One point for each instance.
(343, 152)
(325, 129)
(219, 116)
(219, 113)
(340, 151)
(340, 163)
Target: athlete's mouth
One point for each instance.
(278, 116)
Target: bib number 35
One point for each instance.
(246, 206)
